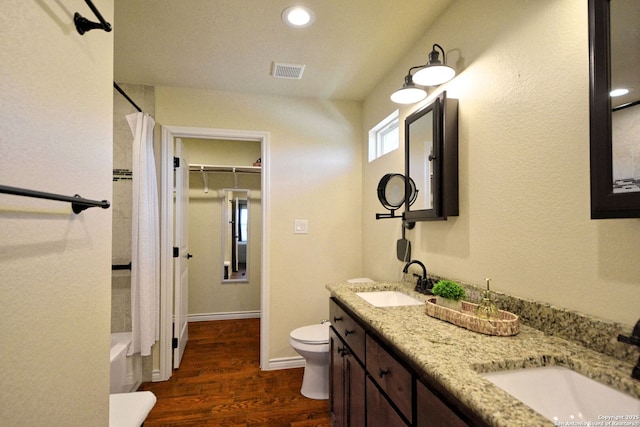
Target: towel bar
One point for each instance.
(78, 204)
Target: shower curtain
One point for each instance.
(145, 238)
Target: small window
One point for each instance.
(384, 137)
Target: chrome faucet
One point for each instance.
(423, 284)
(634, 339)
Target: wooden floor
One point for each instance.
(220, 383)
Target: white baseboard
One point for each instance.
(284, 363)
(230, 315)
(156, 377)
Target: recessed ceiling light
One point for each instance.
(298, 16)
(619, 92)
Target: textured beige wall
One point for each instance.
(55, 136)
(207, 293)
(523, 79)
(315, 174)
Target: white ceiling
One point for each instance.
(230, 44)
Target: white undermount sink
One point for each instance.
(388, 298)
(562, 395)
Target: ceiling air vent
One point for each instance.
(287, 71)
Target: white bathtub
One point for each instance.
(126, 371)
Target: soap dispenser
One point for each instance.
(487, 309)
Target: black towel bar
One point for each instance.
(121, 267)
(78, 204)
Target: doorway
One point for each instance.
(169, 135)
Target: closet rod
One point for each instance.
(123, 93)
(78, 204)
(121, 267)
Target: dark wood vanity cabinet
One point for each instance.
(372, 385)
(432, 412)
(348, 329)
(392, 378)
(347, 375)
(380, 413)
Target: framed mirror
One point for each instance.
(235, 235)
(614, 60)
(431, 160)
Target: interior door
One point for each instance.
(181, 262)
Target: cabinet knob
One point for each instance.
(337, 319)
(348, 332)
(382, 372)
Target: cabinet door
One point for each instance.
(379, 412)
(432, 412)
(336, 380)
(354, 394)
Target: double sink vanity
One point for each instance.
(393, 365)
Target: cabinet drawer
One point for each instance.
(347, 328)
(393, 378)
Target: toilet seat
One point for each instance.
(312, 334)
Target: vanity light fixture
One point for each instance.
(298, 16)
(409, 93)
(434, 73)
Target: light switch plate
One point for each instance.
(300, 226)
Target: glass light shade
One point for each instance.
(434, 75)
(408, 95)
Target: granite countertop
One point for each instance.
(455, 357)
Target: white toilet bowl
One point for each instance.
(312, 343)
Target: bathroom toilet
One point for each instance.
(312, 343)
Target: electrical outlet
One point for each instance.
(300, 226)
